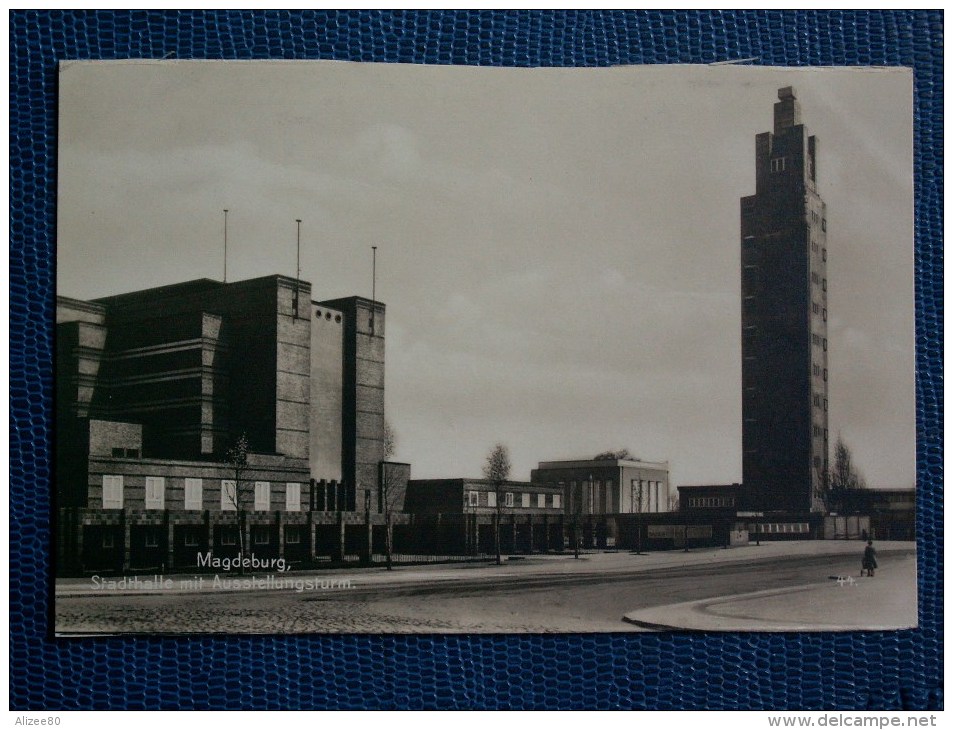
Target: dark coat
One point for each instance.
(870, 558)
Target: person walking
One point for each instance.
(870, 560)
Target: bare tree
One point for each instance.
(842, 477)
(673, 503)
(638, 505)
(621, 454)
(392, 492)
(236, 459)
(497, 472)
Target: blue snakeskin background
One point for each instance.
(754, 671)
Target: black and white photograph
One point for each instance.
(382, 348)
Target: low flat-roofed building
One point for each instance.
(456, 516)
(608, 486)
(892, 512)
(709, 498)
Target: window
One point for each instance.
(229, 496)
(230, 537)
(824, 224)
(262, 496)
(814, 307)
(817, 401)
(825, 344)
(119, 453)
(825, 404)
(824, 314)
(155, 492)
(191, 539)
(509, 499)
(132, 453)
(557, 500)
(824, 284)
(193, 494)
(292, 535)
(825, 375)
(491, 499)
(815, 278)
(778, 164)
(816, 369)
(261, 536)
(109, 540)
(152, 539)
(526, 497)
(112, 492)
(540, 500)
(473, 499)
(293, 497)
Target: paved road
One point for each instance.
(529, 596)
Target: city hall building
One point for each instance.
(154, 387)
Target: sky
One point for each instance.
(558, 249)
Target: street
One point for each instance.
(535, 594)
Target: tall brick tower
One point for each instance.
(784, 321)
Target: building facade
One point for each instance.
(153, 389)
(892, 512)
(607, 486)
(716, 499)
(458, 516)
(784, 321)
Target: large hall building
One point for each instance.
(154, 387)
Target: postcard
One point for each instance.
(393, 348)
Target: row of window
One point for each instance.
(823, 250)
(816, 308)
(327, 316)
(113, 490)
(711, 501)
(819, 341)
(817, 279)
(815, 218)
(509, 500)
(817, 370)
(819, 431)
(778, 528)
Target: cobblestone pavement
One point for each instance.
(285, 613)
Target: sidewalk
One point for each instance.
(594, 564)
(882, 603)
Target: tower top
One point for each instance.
(787, 112)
